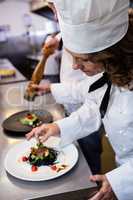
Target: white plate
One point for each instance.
(22, 170)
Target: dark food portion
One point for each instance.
(42, 155)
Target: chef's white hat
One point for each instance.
(92, 25)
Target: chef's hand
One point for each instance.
(43, 132)
(42, 88)
(105, 192)
(51, 42)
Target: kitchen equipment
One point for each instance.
(37, 75)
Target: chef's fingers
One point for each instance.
(95, 178)
(39, 132)
(45, 134)
(35, 86)
(45, 87)
(98, 196)
(30, 134)
(109, 195)
(50, 43)
(106, 198)
(38, 88)
(43, 138)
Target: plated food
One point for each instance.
(40, 162)
(30, 119)
(22, 122)
(41, 155)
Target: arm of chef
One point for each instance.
(72, 93)
(81, 123)
(121, 180)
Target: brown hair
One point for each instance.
(118, 60)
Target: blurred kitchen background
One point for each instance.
(24, 26)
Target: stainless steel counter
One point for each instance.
(11, 101)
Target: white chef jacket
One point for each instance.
(68, 74)
(118, 123)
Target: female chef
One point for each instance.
(90, 145)
(109, 99)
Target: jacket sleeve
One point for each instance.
(121, 181)
(81, 123)
(71, 93)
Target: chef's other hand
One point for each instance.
(42, 88)
(105, 192)
(43, 132)
(51, 42)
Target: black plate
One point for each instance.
(13, 123)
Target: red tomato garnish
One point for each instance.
(53, 167)
(24, 159)
(34, 168)
(29, 116)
